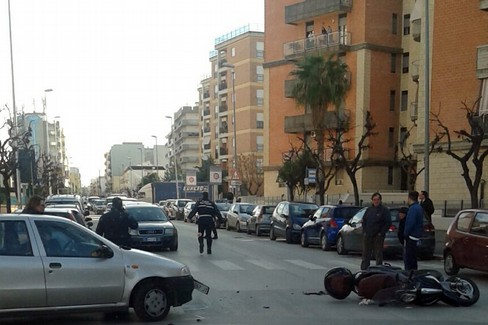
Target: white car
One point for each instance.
(50, 264)
(238, 215)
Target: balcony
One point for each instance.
(206, 112)
(223, 85)
(206, 129)
(310, 9)
(482, 62)
(206, 94)
(223, 129)
(223, 108)
(336, 42)
(223, 151)
(304, 123)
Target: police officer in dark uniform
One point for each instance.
(114, 225)
(207, 211)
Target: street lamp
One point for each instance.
(47, 138)
(234, 160)
(157, 168)
(174, 156)
(130, 176)
(142, 167)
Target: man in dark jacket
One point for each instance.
(402, 213)
(376, 222)
(426, 204)
(207, 211)
(413, 230)
(114, 225)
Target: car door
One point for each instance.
(21, 269)
(314, 228)
(478, 255)
(462, 245)
(74, 274)
(280, 216)
(355, 234)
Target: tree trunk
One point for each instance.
(321, 169)
(352, 177)
(6, 187)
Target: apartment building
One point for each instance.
(232, 101)
(373, 39)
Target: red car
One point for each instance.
(467, 242)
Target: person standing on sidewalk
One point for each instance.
(426, 204)
(207, 210)
(413, 231)
(376, 221)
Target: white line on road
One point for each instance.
(306, 265)
(226, 265)
(265, 264)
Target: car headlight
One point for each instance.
(296, 227)
(169, 231)
(185, 270)
(133, 232)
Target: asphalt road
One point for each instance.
(257, 281)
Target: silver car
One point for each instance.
(50, 264)
(238, 215)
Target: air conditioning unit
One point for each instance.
(339, 182)
(414, 110)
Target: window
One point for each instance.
(393, 63)
(260, 121)
(406, 24)
(260, 49)
(14, 239)
(480, 224)
(391, 137)
(405, 62)
(259, 73)
(464, 221)
(390, 175)
(233, 51)
(260, 97)
(404, 101)
(394, 24)
(259, 143)
(392, 100)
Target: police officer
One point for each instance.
(207, 211)
(114, 225)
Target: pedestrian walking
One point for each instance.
(35, 205)
(376, 221)
(207, 210)
(413, 230)
(114, 225)
(402, 213)
(426, 204)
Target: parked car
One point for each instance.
(224, 208)
(68, 213)
(238, 215)
(350, 237)
(187, 209)
(323, 226)
(83, 220)
(99, 206)
(155, 229)
(288, 218)
(66, 199)
(260, 220)
(467, 242)
(87, 273)
(179, 208)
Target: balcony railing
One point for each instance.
(309, 9)
(304, 123)
(223, 108)
(224, 151)
(206, 112)
(206, 94)
(334, 42)
(223, 129)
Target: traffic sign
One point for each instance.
(235, 176)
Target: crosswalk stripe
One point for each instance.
(306, 264)
(226, 265)
(265, 264)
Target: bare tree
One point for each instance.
(472, 154)
(338, 142)
(252, 175)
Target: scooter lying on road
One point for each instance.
(386, 284)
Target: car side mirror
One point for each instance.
(89, 224)
(86, 212)
(103, 252)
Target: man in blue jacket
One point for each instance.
(413, 230)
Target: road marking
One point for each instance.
(306, 264)
(265, 264)
(226, 265)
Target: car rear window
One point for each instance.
(480, 224)
(268, 210)
(346, 212)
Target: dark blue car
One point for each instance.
(323, 226)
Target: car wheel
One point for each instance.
(271, 233)
(340, 246)
(323, 242)
(151, 302)
(174, 246)
(258, 231)
(450, 266)
(238, 226)
(303, 239)
(288, 238)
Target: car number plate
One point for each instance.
(201, 287)
(151, 239)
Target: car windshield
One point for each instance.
(148, 213)
(246, 208)
(302, 210)
(346, 212)
(223, 206)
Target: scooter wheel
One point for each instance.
(463, 291)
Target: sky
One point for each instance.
(116, 67)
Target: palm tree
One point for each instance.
(320, 83)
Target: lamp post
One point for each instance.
(142, 166)
(234, 160)
(48, 144)
(174, 156)
(157, 168)
(130, 176)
